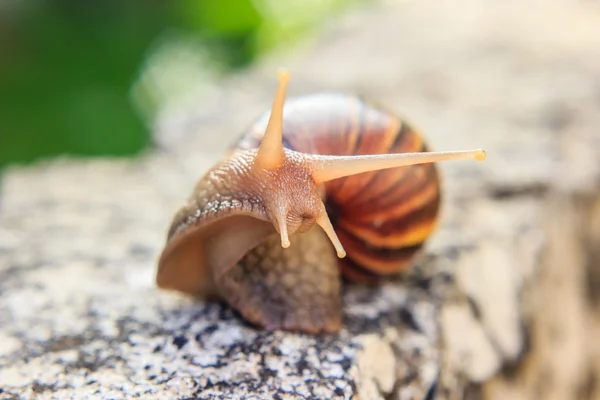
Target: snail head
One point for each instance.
(288, 181)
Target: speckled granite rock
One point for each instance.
(79, 314)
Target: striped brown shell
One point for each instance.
(382, 218)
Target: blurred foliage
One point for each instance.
(67, 66)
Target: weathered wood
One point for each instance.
(503, 304)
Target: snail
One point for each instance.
(326, 174)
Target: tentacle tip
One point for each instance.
(341, 253)
(283, 74)
(480, 155)
(285, 239)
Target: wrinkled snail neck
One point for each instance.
(272, 156)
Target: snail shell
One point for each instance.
(326, 172)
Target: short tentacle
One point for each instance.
(324, 222)
(283, 232)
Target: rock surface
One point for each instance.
(81, 316)
(504, 302)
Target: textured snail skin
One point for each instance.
(237, 186)
(297, 288)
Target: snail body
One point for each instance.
(328, 172)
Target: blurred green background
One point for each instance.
(70, 69)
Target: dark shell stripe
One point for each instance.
(352, 139)
(381, 182)
(386, 183)
(382, 218)
(356, 273)
(379, 261)
(393, 234)
(338, 133)
(415, 189)
(377, 141)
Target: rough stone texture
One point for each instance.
(80, 314)
(561, 310)
(511, 276)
